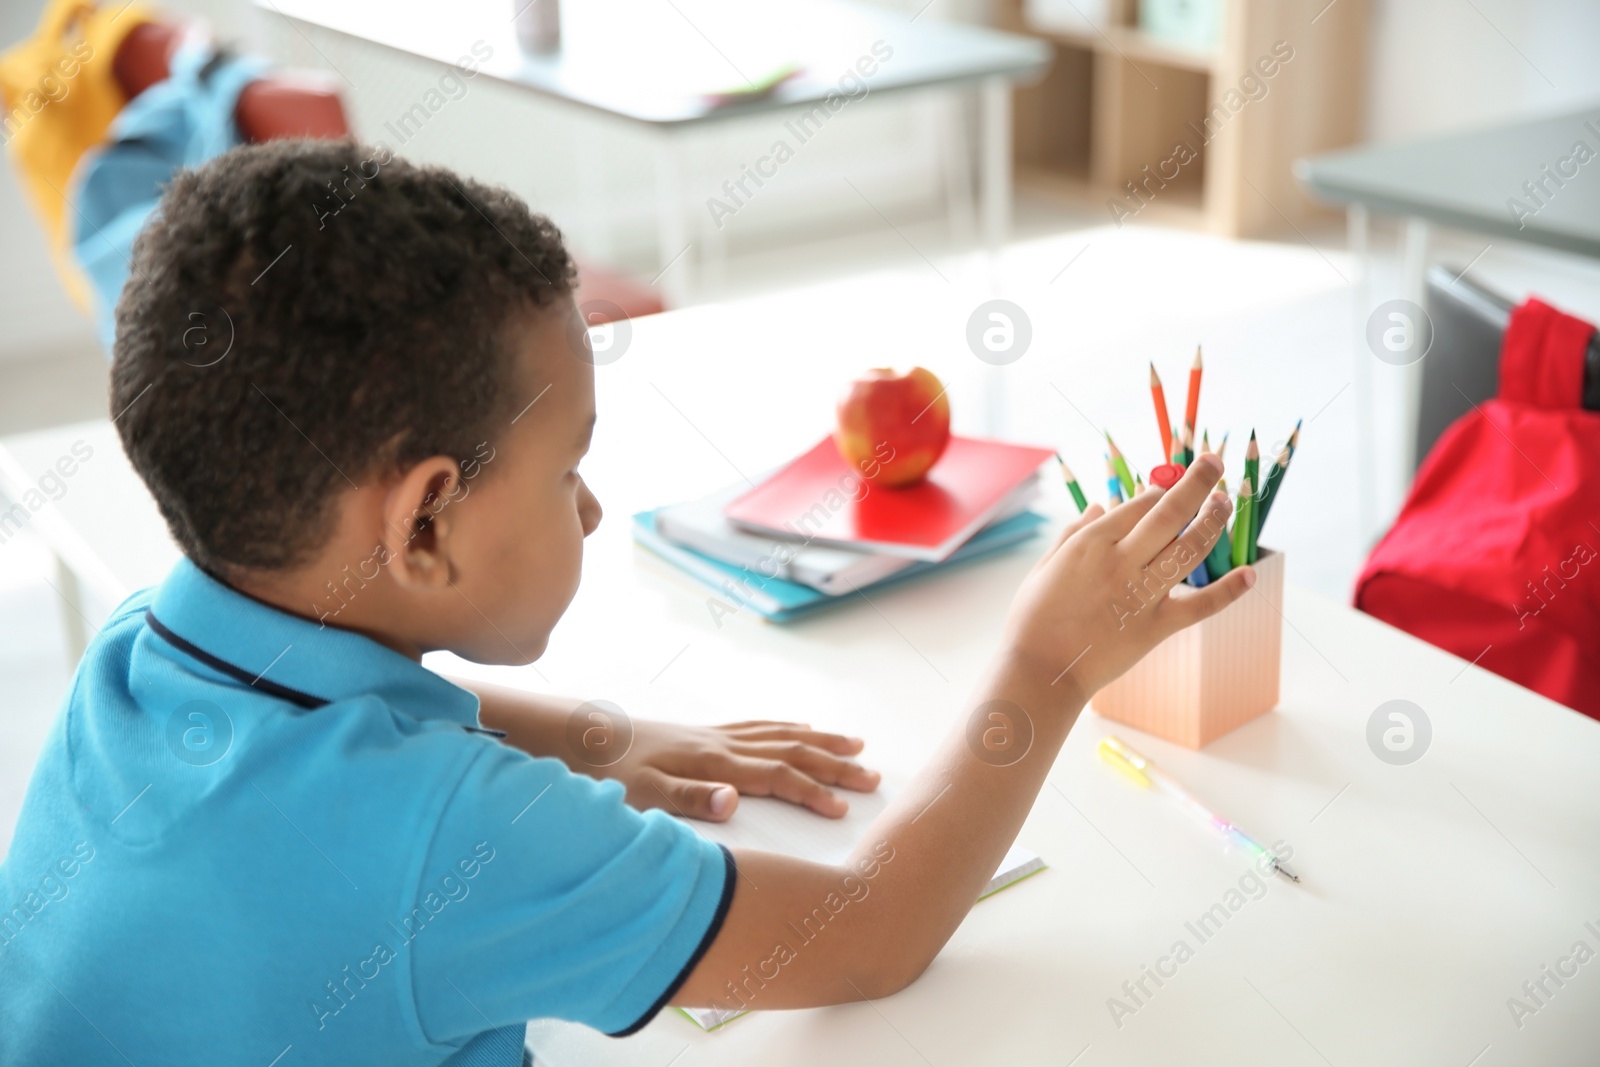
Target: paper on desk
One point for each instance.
(778, 826)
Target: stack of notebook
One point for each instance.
(813, 532)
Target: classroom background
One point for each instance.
(1039, 174)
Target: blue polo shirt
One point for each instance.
(253, 840)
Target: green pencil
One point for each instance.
(1220, 561)
(1072, 485)
(1252, 473)
(1274, 477)
(1124, 475)
(1243, 521)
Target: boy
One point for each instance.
(262, 829)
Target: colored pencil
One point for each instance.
(1159, 396)
(1120, 465)
(1220, 561)
(1188, 444)
(1205, 441)
(1176, 454)
(1252, 474)
(1072, 485)
(1198, 577)
(1113, 484)
(1243, 519)
(1191, 409)
(1138, 484)
(1275, 477)
(1223, 447)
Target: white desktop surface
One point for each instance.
(1431, 892)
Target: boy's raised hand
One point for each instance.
(1106, 593)
(1099, 599)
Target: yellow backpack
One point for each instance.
(60, 96)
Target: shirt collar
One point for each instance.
(294, 658)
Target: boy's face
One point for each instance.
(515, 542)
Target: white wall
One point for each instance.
(1443, 64)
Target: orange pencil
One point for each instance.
(1159, 395)
(1191, 410)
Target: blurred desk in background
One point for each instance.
(664, 67)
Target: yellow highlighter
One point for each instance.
(1144, 773)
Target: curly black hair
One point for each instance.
(301, 315)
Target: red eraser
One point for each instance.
(1166, 475)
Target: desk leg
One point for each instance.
(955, 148)
(1361, 376)
(675, 257)
(996, 134)
(1415, 280)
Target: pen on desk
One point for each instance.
(1145, 773)
(1072, 485)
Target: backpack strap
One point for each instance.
(1544, 357)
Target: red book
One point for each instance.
(819, 498)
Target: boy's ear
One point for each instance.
(417, 523)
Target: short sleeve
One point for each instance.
(543, 895)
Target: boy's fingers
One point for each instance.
(691, 798)
(1181, 611)
(1121, 519)
(1173, 510)
(816, 763)
(838, 744)
(1196, 541)
(1090, 513)
(775, 778)
(752, 724)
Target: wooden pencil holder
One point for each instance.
(1211, 678)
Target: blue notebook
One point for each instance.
(780, 600)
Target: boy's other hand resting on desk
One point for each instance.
(694, 771)
(699, 771)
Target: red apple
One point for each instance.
(893, 427)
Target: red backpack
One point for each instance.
(1496, 554)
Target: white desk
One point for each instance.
(652, 65)
(1431, 893)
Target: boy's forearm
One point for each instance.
(911, 879)
(534, 722)
(952, 827)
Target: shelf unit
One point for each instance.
(1191, 136)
